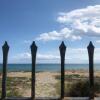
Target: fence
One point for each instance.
(62, 49)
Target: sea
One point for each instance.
(47, 67)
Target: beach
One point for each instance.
(46, 82)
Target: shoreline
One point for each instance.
(67, 72)
(52, 71)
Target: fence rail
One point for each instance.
(62, 49)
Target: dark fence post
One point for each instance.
(91, 69)
(62, 49)
(5, 49)
(33, 53)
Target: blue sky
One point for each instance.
(48, 22)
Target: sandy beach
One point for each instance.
(45, 82)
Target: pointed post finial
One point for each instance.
(62, 46)
(5, 46)
(91, 69)
(33, 46)
(62, 49)
(90, 46)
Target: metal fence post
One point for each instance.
(5, 49)
(33, 53)
(91, 69)
(62, 49)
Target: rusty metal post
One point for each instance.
(33, 53)
(5, 49)
(62, 49)
(91, 69)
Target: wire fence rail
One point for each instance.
(62, 49)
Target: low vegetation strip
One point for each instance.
(77, 86)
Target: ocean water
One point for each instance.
(48, 67)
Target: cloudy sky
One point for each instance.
(48, 22)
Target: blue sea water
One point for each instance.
(48, 67)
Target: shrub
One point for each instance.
(78, 88)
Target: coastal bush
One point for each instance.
(78, 88)
(14, 84)
(69, 76)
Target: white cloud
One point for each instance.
(77, 23)
(97, 41)
(85, 21)
(27, 56)
(47, 56)
(64, 33)
(73, 55)
(79, 55)
(20, 56)
(76, 37)
(27, 41)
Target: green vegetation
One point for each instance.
(15, 84)
(69, 76)
(77, 87)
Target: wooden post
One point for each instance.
(62, 49)
(33, 53)
(5, 49)
(91, 69)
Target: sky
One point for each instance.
(48, 23)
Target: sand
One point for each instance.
(46, 81)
